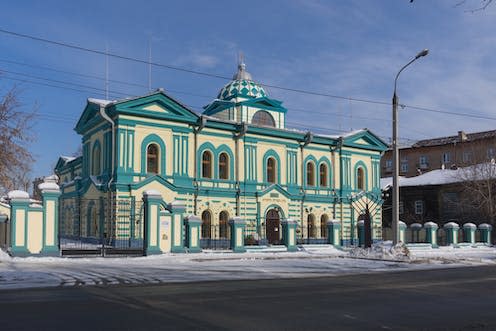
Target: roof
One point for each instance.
(446, 176)
(461, 137)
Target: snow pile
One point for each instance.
(383, 251)
(4, 256)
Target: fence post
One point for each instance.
(50, 193)
(289, 234)
(451, 230)
(19, 205)
(361, 233)
(469, 232)
(333, 232)
(4, 241)
(485, 230)
(415, 227)
(193, 224)
(177, 230)
(151, 234)
(237, 234)
(401, 229)
(430, 233)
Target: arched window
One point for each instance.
(152, 159)
(223, 166)
(323, 225)
(207, 164)
(223, 224)
(360, 179)
(206, 229)
(271, 170)
(96, 168)
(323, 175)
(262, 117)
(310, 174)
(311, 230)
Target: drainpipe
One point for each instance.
(112, 165)
(307, 140)
(340, 146)
(240, 134)
(196, 130)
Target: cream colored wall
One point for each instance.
(262, 148)
(20, 217)
(50, 222)
(216, 208)
(167, 194)
(35, 230)
(355, 158)
(93, 138)
(140, 133)
(165, 233)
(5, 209)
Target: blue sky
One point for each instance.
(347, 48)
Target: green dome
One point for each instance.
(241, 86)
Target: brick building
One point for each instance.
(451, 152)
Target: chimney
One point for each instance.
(462, 136)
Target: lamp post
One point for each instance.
(396, 189)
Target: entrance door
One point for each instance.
(272, 222)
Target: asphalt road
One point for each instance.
(443, 299)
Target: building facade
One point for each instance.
(236, 159)
(445, 152)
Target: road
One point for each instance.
(441, 299)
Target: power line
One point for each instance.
(197, 72)
(167, 66)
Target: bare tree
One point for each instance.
(478, 183)
(15, 134)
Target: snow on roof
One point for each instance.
(17, 194)
(101, 102)
(48, 186)
(445, 176)
(67, 158)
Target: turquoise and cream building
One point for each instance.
(237, 158)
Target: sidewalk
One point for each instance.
(309, 261)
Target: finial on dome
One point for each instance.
(242, 73)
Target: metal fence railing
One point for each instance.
(101, 227)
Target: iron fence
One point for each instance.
(101, 226)
(215, 236)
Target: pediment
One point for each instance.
(274, 191)
(157, 105)
(365, 139)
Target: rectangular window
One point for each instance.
(404, 167)
(389, 164)
(419, 207)
(401, 208)
(446, 158)
(423, 162)
(467, 157)
(491, 153)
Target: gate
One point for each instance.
(101, 227)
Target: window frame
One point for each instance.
(360, 178)
(157, 158)
(419, 207)
(310, 171)
(272, 170)
(204, 168)
(325, 181)
(223, 166)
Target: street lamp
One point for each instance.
(396, 189)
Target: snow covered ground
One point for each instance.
(309, 261)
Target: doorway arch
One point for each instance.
(272, 226)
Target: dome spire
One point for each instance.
(242, 73)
